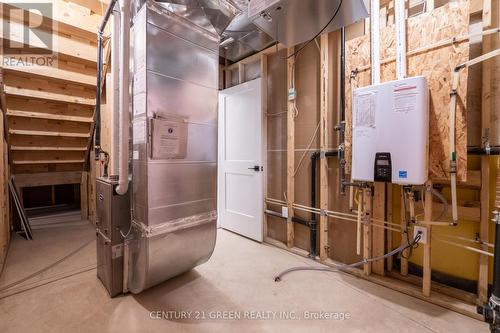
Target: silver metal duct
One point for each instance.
(292, 22)
(212, 15)
(289, 22)
(174, 184)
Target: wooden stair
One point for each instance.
(49, 110)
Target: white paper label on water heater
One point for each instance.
(365, 109)
(390, 132)
(405, 99)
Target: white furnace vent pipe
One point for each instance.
(124, 96)
(115, 88)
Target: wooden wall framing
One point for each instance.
(287, 136)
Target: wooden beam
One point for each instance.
(26, 155)
(47, 178)
(367, 232)
(476, 7)
(323, 162)
(84, 196)
(86, 78)
(427, 261)
(57, 126)
(264, 96)
(46, 167)
(96, 6)
(473, 180)
(47, 141)
(469, 211)
(31, 148)
(20, 162)
(290, 156)
(53, 107)
(49, 116)
(482, 286)
(389, 232)
(253, 58)
(378, 234)
(45, 133)
(57, 97)
(490, 18)
(62, 45)
(66, 18)
(487, 18)
(404, 261)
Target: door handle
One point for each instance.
(257, 168)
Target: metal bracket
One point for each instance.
(322, 212)
(453, 166)
(496, 217)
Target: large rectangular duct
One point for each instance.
(292, 22)
(174, 126)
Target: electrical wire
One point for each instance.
(308, 149)
(72, 253)
(411, 246)
(312, 39)
(128, 232)
(342, 267)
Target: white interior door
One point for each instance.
(240, 160)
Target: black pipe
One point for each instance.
(342, 160)
(100, 33)
(313, 225)
(342, 81)
(496, 264)
(491, 310)
(301, 221)
(493, 150)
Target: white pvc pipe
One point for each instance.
(359, 223)
(375, 40)
(400, 39)
(453, 161)
(124, 96)
(115, 88)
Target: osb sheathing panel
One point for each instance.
(437, 65)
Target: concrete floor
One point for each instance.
(237, 280)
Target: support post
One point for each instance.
(84, 196)
(323, 169)
(367, 237)
(489, 17)
(378, 233)
(427, 262)
(263, 75)
(404, 261)
(389, 232)
(290, 155)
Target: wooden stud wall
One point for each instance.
(286, 134)
(324, 248)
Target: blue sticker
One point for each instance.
(403, 174)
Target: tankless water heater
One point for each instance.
(391, 131)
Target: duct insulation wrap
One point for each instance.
(174, 158)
